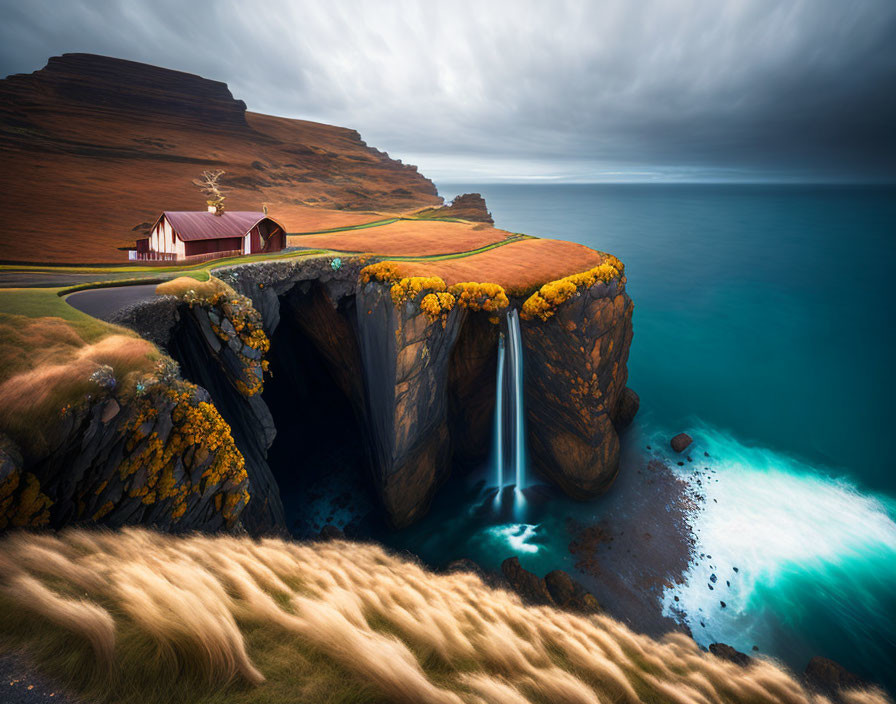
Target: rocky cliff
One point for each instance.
(165, 458)
(416, 360)
(575, 387)
(467, 206)
(92, 85)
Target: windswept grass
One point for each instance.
(140, 616)
(46, 302)
(46, 364)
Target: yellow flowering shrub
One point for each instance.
(438, 298)
(480, 296)
(544, 302)
(238, 309)
(198, 432)
(22, 503)
(410, 287)
(383, 272)
(437, 305)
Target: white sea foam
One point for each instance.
(767, 518)
(516, 535)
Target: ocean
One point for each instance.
(764, 327)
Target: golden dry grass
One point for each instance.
(203, 289)
(520, 267)
(140, 616)
(47, 364)
(411, 238)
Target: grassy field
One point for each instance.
(520, 266)
(137, 616)
(409, 238)
(47, 302)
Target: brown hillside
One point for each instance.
(92, 147)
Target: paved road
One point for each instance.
(13, 278)
(103, 303)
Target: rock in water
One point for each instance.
(331, 532)
(626, 408)
(528, 585)
(829, 676)
(567, 593)
(468, 206)
(681, 441)
(557, 588)
(726, 652)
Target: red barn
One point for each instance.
(185, 235)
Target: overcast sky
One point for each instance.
(548, 89)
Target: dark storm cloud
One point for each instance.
(568, 90)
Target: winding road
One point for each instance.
(104, 303)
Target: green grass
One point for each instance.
(294, 672)
(435, 257)
(375, 223)
(44, 302)
(39, 302)
(199, 271)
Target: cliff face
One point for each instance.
(93, 85)
(405, 360)
(165, 459)
(421, 381)
(468, 206)
(575, 376)
(415, 360)
(122, 131)
(408, 347)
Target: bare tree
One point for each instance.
(214, 192)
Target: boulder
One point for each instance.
(829, 676)
(681, 441)
(626, 409)
(567, 593)
(557, 588)
(529, 586)
(726, 652)
(331, 532)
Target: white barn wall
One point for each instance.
(163, 241)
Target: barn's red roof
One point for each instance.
(203, 225)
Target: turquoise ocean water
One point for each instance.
(764, 326)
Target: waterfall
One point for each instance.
(510, 434)
(499, 416)
(519, 420)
